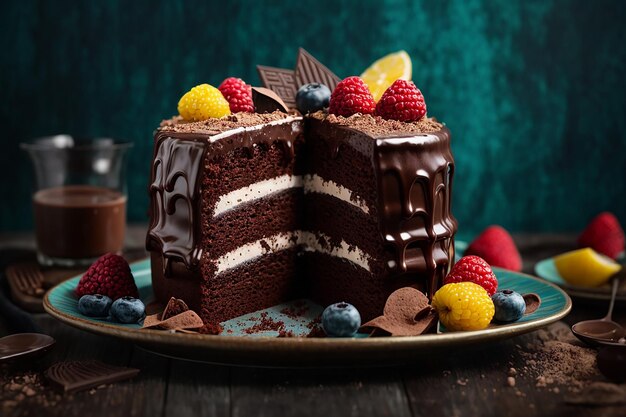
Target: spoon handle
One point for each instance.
(613, 294)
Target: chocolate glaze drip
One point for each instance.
(173, 193)
(414, 180)
(415, 187)
(177, 170)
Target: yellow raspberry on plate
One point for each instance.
(203, 102)
(463, 306)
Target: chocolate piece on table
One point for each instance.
(281, 81)
(310, 70)
(406, 313)
(267, 101)
(74, 376)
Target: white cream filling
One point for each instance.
(255, 191)
(310, 243)
(311, 183)
(316, 184)
(281, 241)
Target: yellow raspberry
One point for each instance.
(203, 102)
(463, 306)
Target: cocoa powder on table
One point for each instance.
(558, 360)
(24, 386)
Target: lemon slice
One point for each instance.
(382, 73)
(585, 267)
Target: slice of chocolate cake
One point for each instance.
(386, 216)
(225, 201)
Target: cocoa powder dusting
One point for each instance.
(215, 126)
(376, 126)
(562, 363)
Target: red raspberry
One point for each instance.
(402, 101)
(110, 275)
(604, 235)
(238, 94)
(473, 269)
(496, 246)
(351, 96)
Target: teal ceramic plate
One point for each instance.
(236, 346)
(547, 270)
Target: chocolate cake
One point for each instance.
(254, 209)
(251, 210)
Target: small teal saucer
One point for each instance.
(547, 270)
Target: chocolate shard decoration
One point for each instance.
(173, 308)
(310, 70)
(185, 320)
(281, 81)
(267, 101)
(74, 376)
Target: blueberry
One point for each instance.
(128, 310)
(341, 320)
(510, 305)
(96, 305)
(312, 97)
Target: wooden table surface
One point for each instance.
(465, 383)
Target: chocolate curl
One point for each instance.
(406, 313)
(533, 301)
(186, 320)
(267, 101)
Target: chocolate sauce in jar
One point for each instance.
(79, 221)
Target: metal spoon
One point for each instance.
(595, 332)
(24, 345)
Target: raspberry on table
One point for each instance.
(238, 94)
(463, 306)
(203, 102)
(402, 101)
(473, 269)
(604, 234)
(110, 275)
(351, 96)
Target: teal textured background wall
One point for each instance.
(533, 91)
